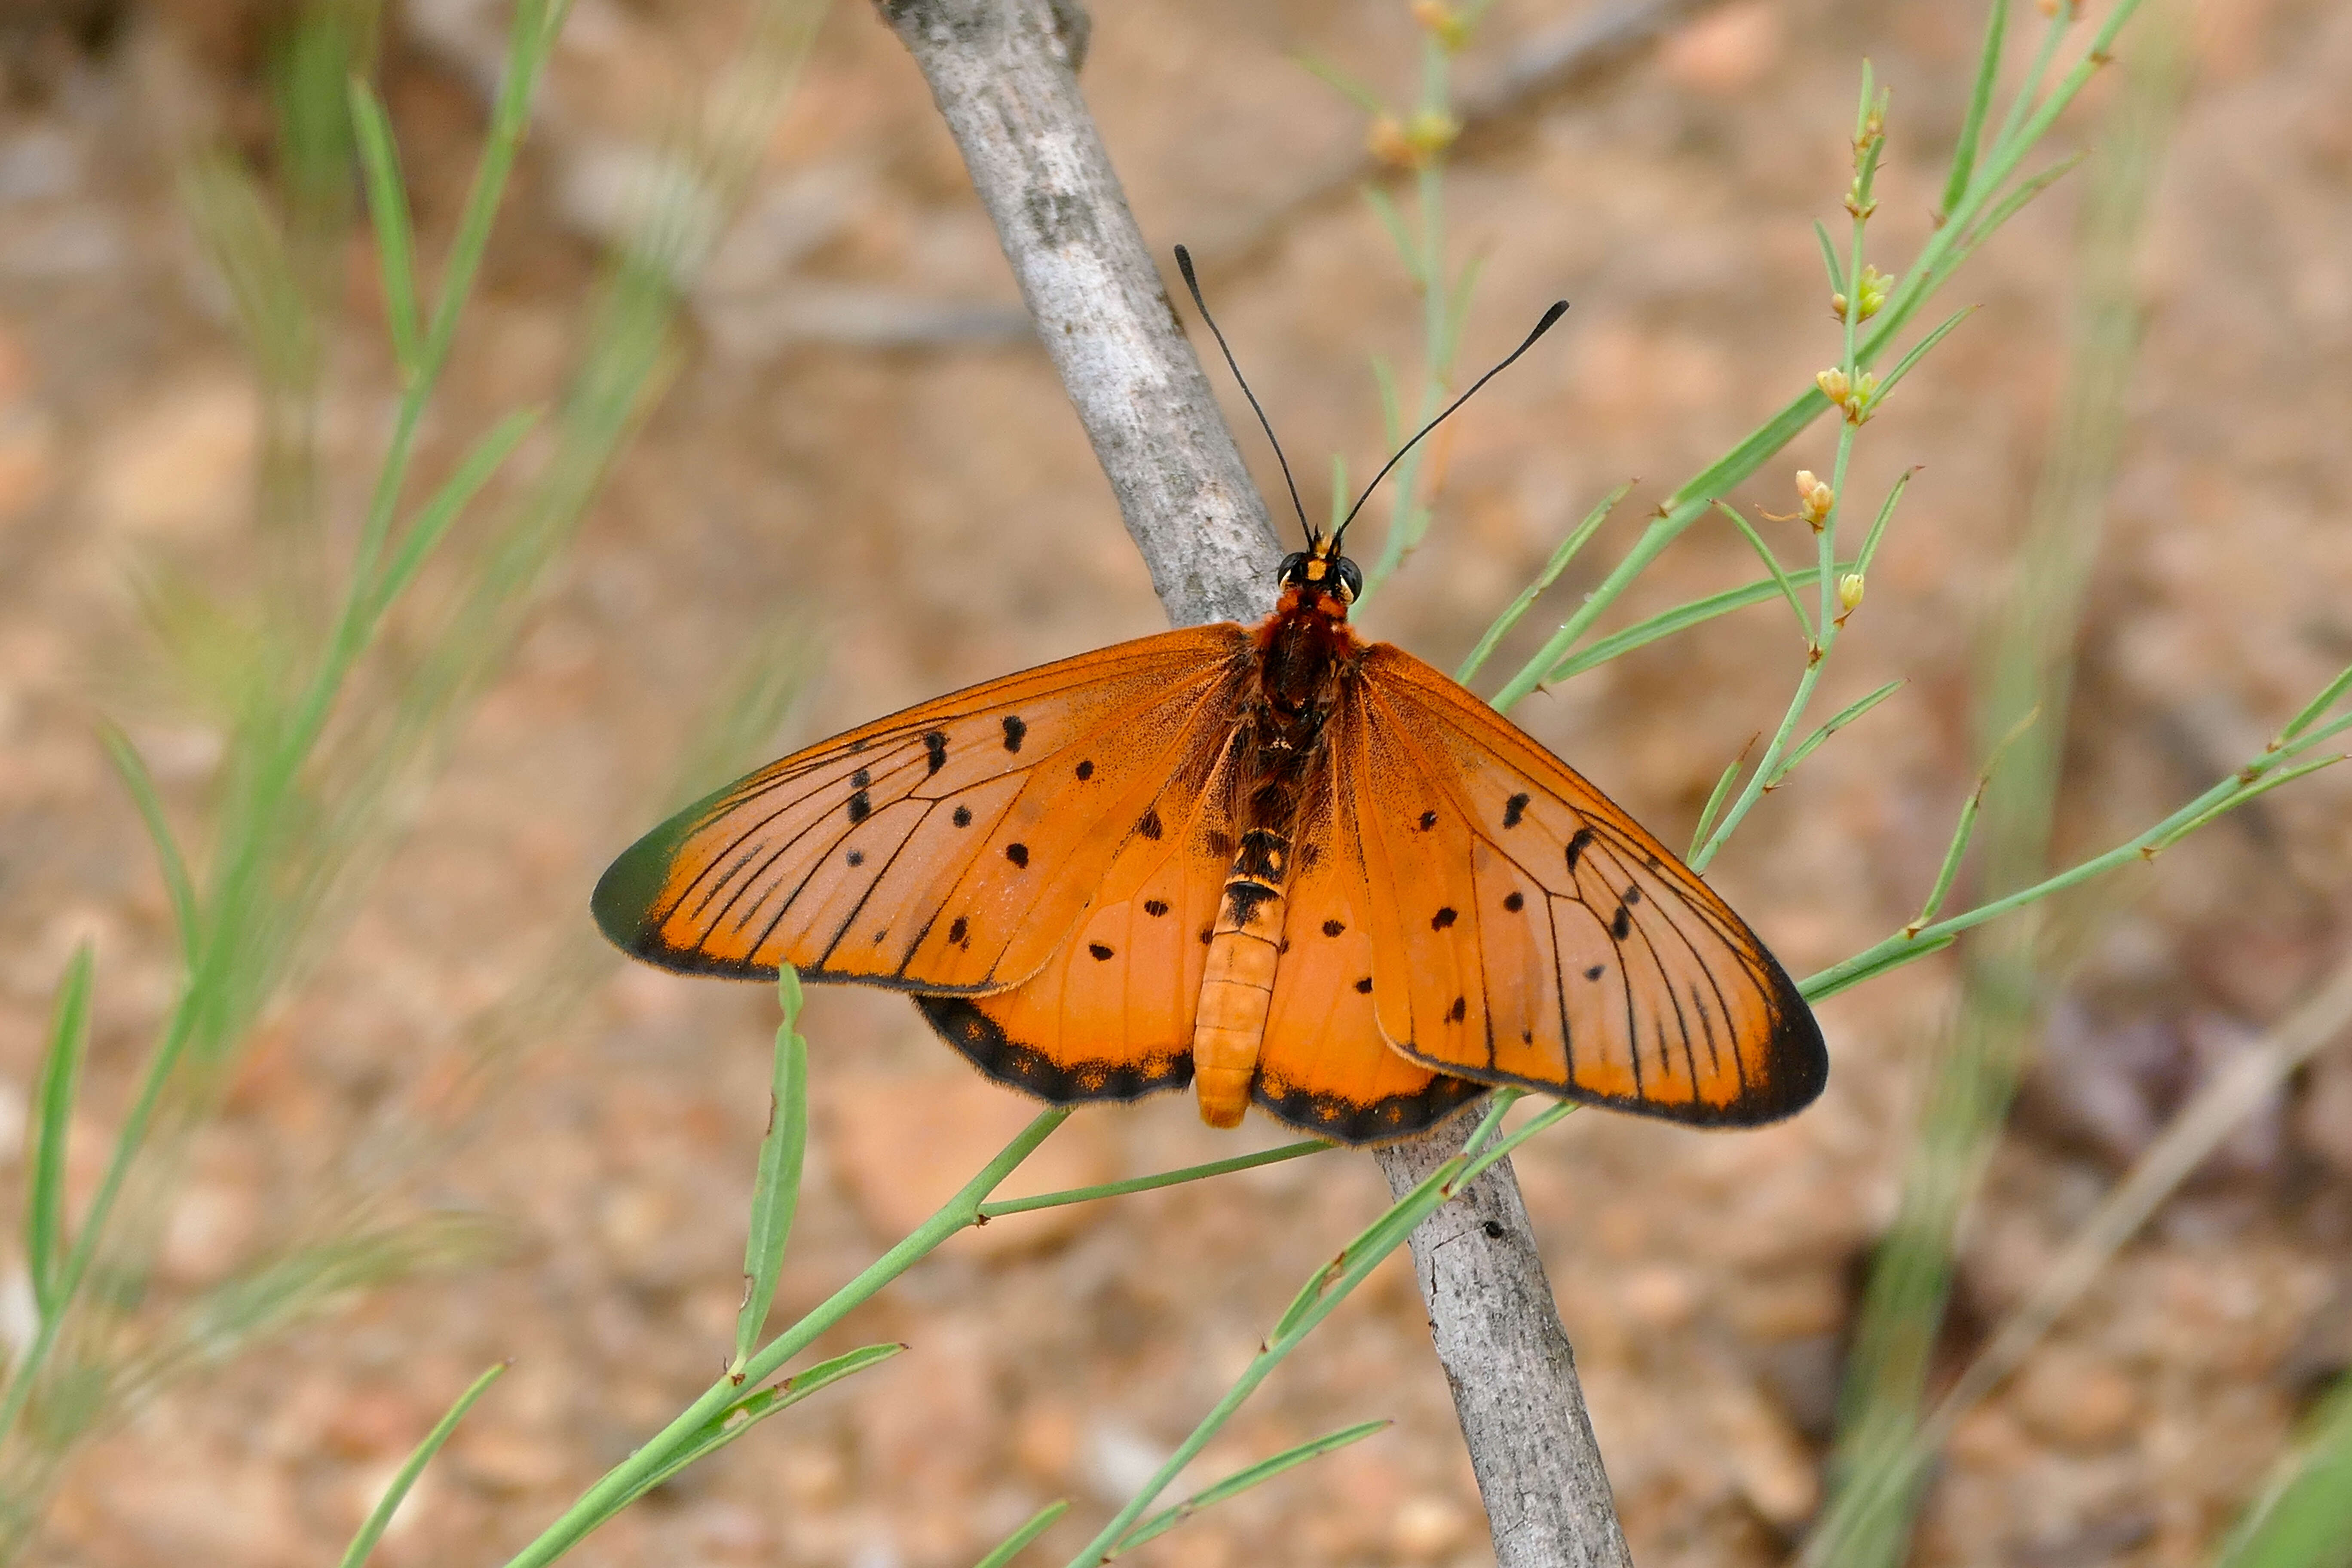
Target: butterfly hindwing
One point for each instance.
(1528, 931)
(951, 848)
(1324, 1065)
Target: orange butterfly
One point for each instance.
(1278, 863)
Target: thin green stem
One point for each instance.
(613, 1491)
(997, 1210)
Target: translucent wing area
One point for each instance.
(1324, 1066)
(1110, 1016)
(951, 848)
(1525, 931)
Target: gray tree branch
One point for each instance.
(1003, 74)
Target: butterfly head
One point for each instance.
(1321, 577)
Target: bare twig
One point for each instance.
(1002, 74)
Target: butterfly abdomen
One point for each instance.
(1237, 986)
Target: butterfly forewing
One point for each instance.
(951, 848)
(1110, 1016)
(1526, 930)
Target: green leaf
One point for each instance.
(394, 234)
(2304, 1516)
(1918, 351)
(1814, 739)
(389, 1504)
(53, 1102)
(1012, 1545)
(1682, 617)
(1771, 564)
(754, 1408)
(1964, 152)
(1830, 982)
(776, 1194)
(1384, 207)
(177, 883)
(1150, 1184)
(1715, 801)
(1576, 540)
(447, 504)
(2328, 699)
(1240, 1481)
(1879, 524)
(1830, 258)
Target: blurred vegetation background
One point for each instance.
(788, 404)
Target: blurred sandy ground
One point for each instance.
(859, 442)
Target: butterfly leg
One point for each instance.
(1238, 987)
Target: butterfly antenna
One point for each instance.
(1558, 309)
(1184, 265)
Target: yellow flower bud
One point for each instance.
(1833, 385)
(1849, 592)
(1443, 23)
(1431, 132)
(1872, 291)
(1384, 139)
(1815, 499)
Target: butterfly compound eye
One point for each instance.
(1288, 571)
(1352, 581)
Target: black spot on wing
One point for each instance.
(1596, 972)
(860, 808)
(1149, 825)
(1101, 953)
(1014, 731)
(1332, 927)
(1623, 923)
(1155, 907)
(935, 749)
(963, 816)
(960, 932)
(1460, 1010)
(1515, 900)
(1428, 820)
(1085, 772)
(1365, 986)
(862, 779)
(1515, 808)
(1018, 854)
(1442, 919)
(857, 857)
(1577, 843)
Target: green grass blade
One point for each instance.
(1964, 150)
(754, 1408)
(1682, 617)
(396, 243)
(1830, 258)
(53, 1102)
(1879, 524)
(1918, 351)
(2304, 1516)
(1771, 564)
(2268, 783)
(1013, 1545)
(1154, 1182)
(1384, 207)
(1715, 801)
(1814, 740)
(389, 1504)
(2010, 206)
(1346, 85)
(776, 1194)
(2327, 698)
(1840, 978)
(1240, 1481)
(1576, 540)
(141, 784)
(449, 503)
